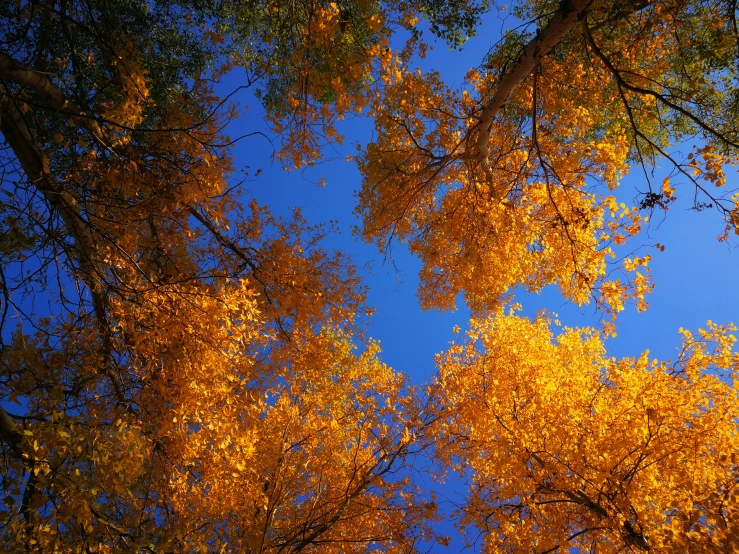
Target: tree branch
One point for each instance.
(35, 165)
(10, 433)
(14, 71)
(564, 19)
(618, 77)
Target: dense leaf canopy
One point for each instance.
(183, 371)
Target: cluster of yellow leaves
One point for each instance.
(217, 397)
(324, 72)
(134, 93)
(86, 461)
(274, 447)
(337, 64)
(534, 211)
(279, 461)
(600, 453)
(526, 217)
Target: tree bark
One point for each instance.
(564, 19)
(15, 72)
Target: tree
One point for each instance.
(193, 347)
(508, 182)
(190, 373)
(564, 447)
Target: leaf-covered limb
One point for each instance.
(563, 20)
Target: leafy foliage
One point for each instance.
(189, 373)
(605, 454)
(508, 181)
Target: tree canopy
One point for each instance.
(181, 370)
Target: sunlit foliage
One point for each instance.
(183, 371)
